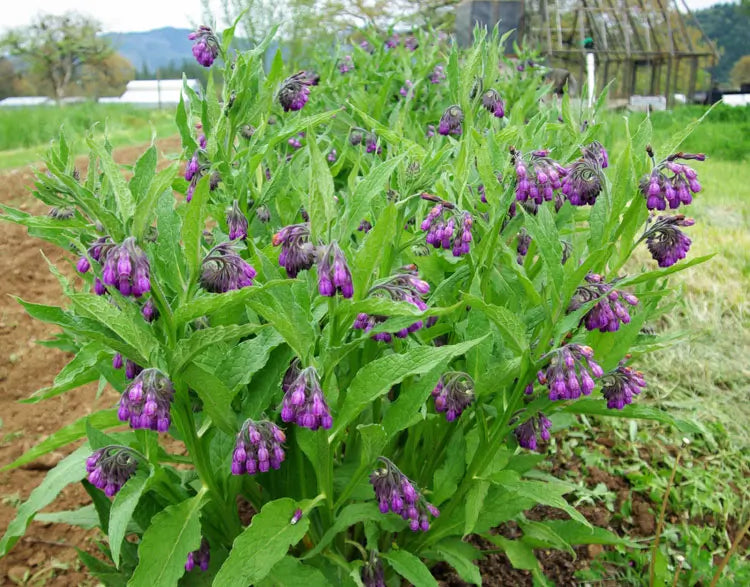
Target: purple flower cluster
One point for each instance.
(404, 91)
(295, 91)
(224, 270)
(493, 103)
(149, 311)
(236, 222)
(438, 74)
(522, 246)
(451, 233)
(296, 141)
(131, 367)
(570, 372)
(145, 403)
(583, 182)
(206, 46)
(393, 41)
(405, 286)
(333, 272)
(453, 393)
(535, 427)
(110, 467)
(297, 252)
(346, 64)
(195, 169)
(258, 448)
(395, 492)
(411, 43)
(451, 121)
(372, 573)
(200, 557)
(364, 226)
(538, 179)
(304, 402)
(127, 268)
(665, 241)
(332, 156)
(620, 385)
(660, 189)
(608, 312)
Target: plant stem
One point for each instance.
(660, 525)
(735, 545)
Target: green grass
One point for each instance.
(25, 133)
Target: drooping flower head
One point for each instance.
(430, 131)
(294, 91)
(453, 393)
(372, 143)
(127, 268)
(451, 121)
(146, 402)
(149, 311)
(297, 252)
(110, 467)
(333, 272)
(665, 241)
(395, 492)
(583, 182)
(200, 557)
(608, 312)
(224, 270)
(538, 176)
(660, 188)
(405, 286)
(366, 46)
(532, 429)
(195, 169)
(206, 46)
(332, 156)
(522, 246)
(404, 91)
(447, 227)
(438, 74)
(61, 213)
(259, 447)
(236, 222)
(304, 402)
(393, 41)
(356, 136)
(620, 385)
(493, 103)
(346, 64)
(131, 367)
(262, 213)
(570, 373)
(411, 43)
(364, 226)
(296, 141)
(313, 76)
(372, 573)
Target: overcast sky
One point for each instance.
(136, 15)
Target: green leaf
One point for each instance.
(575, 533)
(291, 572)
(143, 174)
(520, 554)
(447, 477)
(659, 273)
(377, 377)
(539, 535)
(107, 574)
(80, 371)
(373, 438)
(510, 326)
(544, 233)
(474, 504)
(320, 205)
(245, 359)
(113, 173)
(188, 348)
(347, 517)
(192, 228)
(598, 407)
(460, 556)
(146, 210)
(263, 544)
(173, 534)
(215, 395)
(122, 510)
(368, 257)
(85, 517)
(70, 470)
(410, 568)
(411, 398)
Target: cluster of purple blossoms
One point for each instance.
(236, 222)
(262, 213)
(346, 64)
(364, 226)
(411, 43)
(405, 286)
(451, 121)
(110, 467)
(404, 91)
(304, 402)
(453, 393)
(258, 448)
(149, 311)
(200, 557)
(297, 252)
(395, 492)
(452, 233)
(367, 47)
(438, 74)
(145, 403)
(295, 91)
(570, 372)
(224, 270)
(522, 246)
(131, 367)
(620, 385)
(372, 573)
(538, 179)
(665, 241)
(195, 170)
(608, 312)
(333, 272)
(659, 189)
(493, 103)
(295, 142)
(430, 131)
(127, 268)
(332, 156)
(537, 426)
(206, 46)
(583, 183)
(393, 41)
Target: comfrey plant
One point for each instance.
(289, 348)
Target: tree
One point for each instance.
(727, 25)
(7, 78)
(56, 48)
(107, 77)
(741, 72)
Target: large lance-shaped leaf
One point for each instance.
(321, 205)
(410, 568)
(122, 510)
(263, 544)
(377, 378)
(173, 534)
(123, 197)
(192, 227)
(216, 396)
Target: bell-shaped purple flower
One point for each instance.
(493, 103)
(206, 46)
(200, 557)
(236, 222)
(411, 43)
(259, 447)
(110, 467)
(536, 427)
(538, 178)
(522, 246)
(149, 311)
(346, 64)
(665, 241)
(333, 272)
(297, 252)
(332, 156)
(83, 265)
(372, 573)
(294, 92)
(453, 393)
(127, 268)
(304, 402)
(583, 181)
(447, 227)
(438, 74)
(146, 402)
(393, 41)
(570, 373)
(661, 189)
(224, 270)
(609, 312)
(397, 493)
(620, 385)
(451, 121)
(372, 143)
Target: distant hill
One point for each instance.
(153, 49)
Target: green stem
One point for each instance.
(165, 310)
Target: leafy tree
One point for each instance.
(741, 71)
(7, 78)
(107, 77)
(727, 25)
(56, 48)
